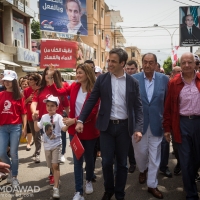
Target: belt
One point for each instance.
(118, 121)
(191, 116)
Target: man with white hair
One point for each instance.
(182, 116)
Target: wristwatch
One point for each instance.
(79, 121)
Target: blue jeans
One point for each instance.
(64, 142)
(114, 143)
(10, 134)
(88, 155)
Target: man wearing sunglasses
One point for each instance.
(34, 46)
(35, 49)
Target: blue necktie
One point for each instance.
(190, 31)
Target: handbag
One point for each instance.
(77, 147)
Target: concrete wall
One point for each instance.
(8, 26)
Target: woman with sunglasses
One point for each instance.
(12, 124)
(34, 83)
(38, 107)
(79, 92)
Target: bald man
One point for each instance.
(182, 116)
(176, 70)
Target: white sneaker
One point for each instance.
(9, 178)
(15, 182)
(62, 159)
(56, 193)
(77, 196)
(37, 159)
(88, 187)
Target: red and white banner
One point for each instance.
(174, 56)
(62, 54)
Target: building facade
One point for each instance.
(15, 36)
(103, 31)
(134, 54)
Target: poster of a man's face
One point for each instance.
(190, 26)
(66, 16)
(189, 21)
(73, 10)
(34, 46)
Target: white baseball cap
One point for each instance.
(98, 69)
(52, 98)
(9, 75)
(196, 57)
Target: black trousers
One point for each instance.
(164, 155)
(114, 143)
(131, 156)
(189, 154)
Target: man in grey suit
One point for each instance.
(153, 88)
(120, 116)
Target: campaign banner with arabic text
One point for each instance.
(62, 54)
(55, 17)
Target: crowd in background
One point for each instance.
(124, 114)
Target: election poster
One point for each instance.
(64, 54)
(189, 24)
(64, 16)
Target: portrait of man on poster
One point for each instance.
(74, 13)
(190, 34)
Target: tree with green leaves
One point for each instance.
(167, 66)
(35, 27)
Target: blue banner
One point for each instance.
(64, 16)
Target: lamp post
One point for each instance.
(171, 35)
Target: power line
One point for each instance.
(167, 16)
(182, 2)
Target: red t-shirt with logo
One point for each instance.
(41, 106)
(27, 92)
(10, 109)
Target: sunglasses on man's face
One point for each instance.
(34, 46)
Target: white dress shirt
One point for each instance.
(80, 101)
(149, 86)
(189, 30)
(118, 109)
(74, 30)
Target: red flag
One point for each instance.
(174, 56)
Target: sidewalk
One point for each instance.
(31, 174)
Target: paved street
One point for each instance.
(31, 174)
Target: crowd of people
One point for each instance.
(121, 115)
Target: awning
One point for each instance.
(9, 63)
(68, 75)
(2, 66)
(29, 69)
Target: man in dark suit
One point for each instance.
(190, 32)
(120, 116)
(74, 12)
